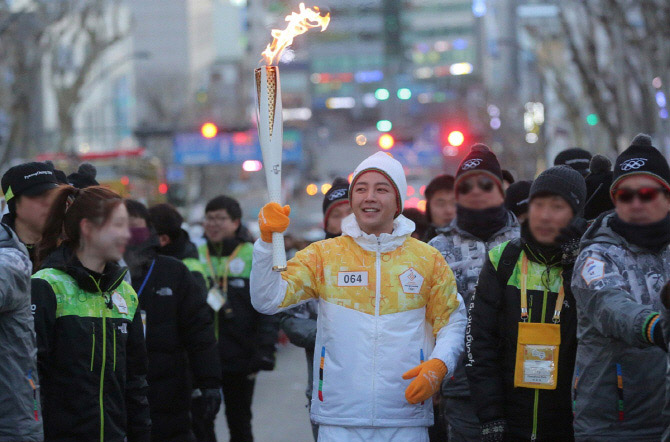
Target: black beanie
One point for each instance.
(575, 157)
(563, 181)
(480, 160)
(641, 158)
(598, 184)
(84, 177)
(337, 194)
(516, 197)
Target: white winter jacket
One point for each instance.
(385, 304)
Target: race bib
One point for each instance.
(352, 279)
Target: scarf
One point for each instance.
(482, 223)
(653, 237)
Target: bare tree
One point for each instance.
(69, 38)
(78, 42)
(617, 48)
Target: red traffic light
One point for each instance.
(386, 141)
(209, 130)
(455, 138)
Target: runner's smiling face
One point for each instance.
(374, 203)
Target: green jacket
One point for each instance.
(91, 355)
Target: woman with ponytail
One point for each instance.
(91, 356)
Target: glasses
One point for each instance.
(644, 194)
(217, 219)
(483, 183)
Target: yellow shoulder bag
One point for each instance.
(537, 343)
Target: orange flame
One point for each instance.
(298, 23)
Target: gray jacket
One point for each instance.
(299, 324)
(619, 379)
(466, 254)
(20, 410)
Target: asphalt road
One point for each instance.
(279, 412)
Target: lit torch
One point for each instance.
(269, 109)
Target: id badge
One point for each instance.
(215, 298)
(537, 356)
(143, 314)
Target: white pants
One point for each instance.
(330, 433)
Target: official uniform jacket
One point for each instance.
(91, 356)
(385, 303)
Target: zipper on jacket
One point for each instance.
(92, 344)
(378, 288)
(536, 400)
(104, 357)
(114, 329)
(102, 373)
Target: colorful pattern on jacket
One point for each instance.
(466, 255)
(337, 276)
(620, 393)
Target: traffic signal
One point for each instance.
(455, 138)
(592, 119)
(382, 94)
(386, 141)
(384, 125)
(209, 130)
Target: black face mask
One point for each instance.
(653, 237)
(482, 223)
(548, 255)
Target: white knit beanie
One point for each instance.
(391, 168)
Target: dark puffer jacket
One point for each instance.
(180, 342)
(247, 338)
(91, 356)
(491, 344)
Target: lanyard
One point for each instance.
(146, 278)
(223, 285)
(524, 294)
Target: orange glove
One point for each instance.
(428, 376)
(273, 218)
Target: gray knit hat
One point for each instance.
(563, 181)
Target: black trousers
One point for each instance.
(238, 391)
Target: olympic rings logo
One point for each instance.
(471, 164)
(633, 163)
(337, 194)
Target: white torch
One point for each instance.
(269, 110)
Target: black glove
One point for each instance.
(260, 362)
(210, 402)
(569, 238)
(494, 431)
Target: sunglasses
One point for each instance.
(483, 183)
(644, 194)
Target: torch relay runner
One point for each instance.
(391, 324)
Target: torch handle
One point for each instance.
(278, 252)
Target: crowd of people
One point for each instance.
(527, 310)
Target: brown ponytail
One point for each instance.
(69, 207)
